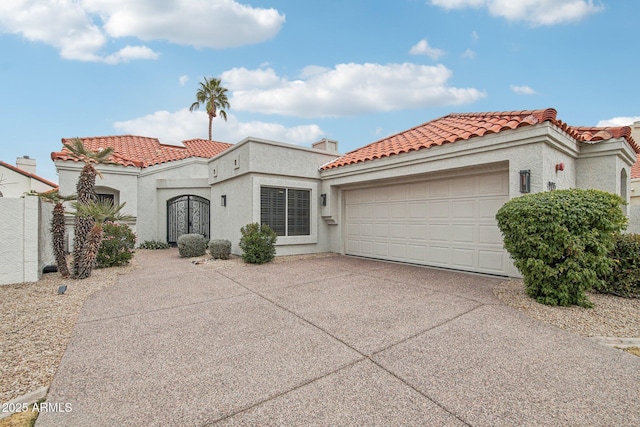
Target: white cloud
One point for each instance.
(172, 128)
(522, 90)
(619, 121)
(535, 12)
(183, 79)
(474, 36)
(347, 89)
(81, 29)
(469, 54)
(423, 48)
(128, 53)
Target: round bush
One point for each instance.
(559, 240)
(220, 249)
(116, 248)
(624, 279)
(257, 243)
(190, 245)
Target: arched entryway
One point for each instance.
(187, 214)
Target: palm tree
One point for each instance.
(86, 193)
(214, 97)
(99, 211)
(58, 227)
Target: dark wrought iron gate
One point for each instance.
(187, 214)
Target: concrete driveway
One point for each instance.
(327, 341)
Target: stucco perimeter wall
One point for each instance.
(24, 230)
(157, 184)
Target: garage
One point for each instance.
(444, 222)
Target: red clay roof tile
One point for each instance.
(464, 126)
(142, 151)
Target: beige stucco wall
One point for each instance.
(24, 230)
(239, 173)
(157, 184)
(14, 184)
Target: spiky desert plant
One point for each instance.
(58, 226)
(85, 189)
(99, 211)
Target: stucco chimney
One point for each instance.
(635, 131)
(26, 163)
(327, 145)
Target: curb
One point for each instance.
(28, 399)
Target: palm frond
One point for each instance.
(101, 211)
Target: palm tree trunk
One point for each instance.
(92, 246)
(57, 230)
(82, 226)
(210, 122)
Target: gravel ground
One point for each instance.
(610, 317)
(36, 326)
(37, 323)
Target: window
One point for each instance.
(286, 210)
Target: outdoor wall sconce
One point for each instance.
(525, 181)
(551, 186)
(323, 199)
(223, 200)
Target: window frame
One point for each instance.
(292, 213)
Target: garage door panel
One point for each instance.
(438, 189)
(463, 209)
(489, 234)
(463, 233)
(438, 209)
(461, 257)
(446, 222)
(417, 232)
(487, 208)
(491, 261)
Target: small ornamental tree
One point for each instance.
(560, 241)
(257, 243)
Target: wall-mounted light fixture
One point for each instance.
(525, 181)
(223, 200)
(551, 186)
(323, 199)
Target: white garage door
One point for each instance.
(444, 222)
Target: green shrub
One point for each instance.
(257, 243)
(560, 241)
(154, 244)
(624, 279)
(118, 242)
(190, 245)
(220, 249)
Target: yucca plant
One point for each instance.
(85, 189)
(58, 226)
(99, 211)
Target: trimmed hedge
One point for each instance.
(257, 243)
(220, 249)
(624, 279)
(190, 245)
(560, 241)
(117, 246)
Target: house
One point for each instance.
(427, 195)
(17, 180)
(634, 203)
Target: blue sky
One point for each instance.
(298, 71)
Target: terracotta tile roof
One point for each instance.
(142, 151)
(464, 126)
(28, 174)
